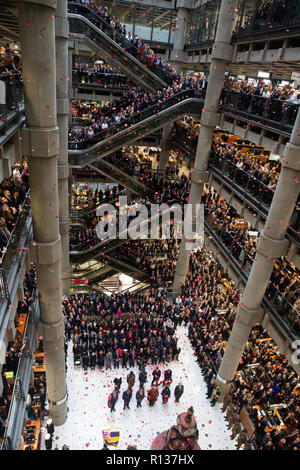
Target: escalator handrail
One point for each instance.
(128, 45)
(123, 51)
(189, 94)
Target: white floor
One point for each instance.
(89, 413)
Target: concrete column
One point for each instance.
(62, 100)
(272, 244)
(165, 147)
(221, 54)
(41, 146)
(179, 35)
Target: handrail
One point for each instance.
(126, 124)
(17, 232)
(241, 272)
(113, 34)
(14, 97)
(280, 114)
(18, 402)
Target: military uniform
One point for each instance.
(242, 439)
(236, 429)
(230, 416)
(226, 402)
(248, 445)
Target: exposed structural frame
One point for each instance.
(221, 54)
(272, 244)
(63, 105)
(41, 146)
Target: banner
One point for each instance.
(111, 437)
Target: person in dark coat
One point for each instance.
(48, 442)
(156, 375)
(112, 400)
(178, 392)
(131, 379)
(165, 395)
(143, 377)
(140, 395)
(127, 397)
(50, 427)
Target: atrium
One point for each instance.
(150, 221)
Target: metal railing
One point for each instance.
(100, 79)
(12, 89)
(251, 189)
(285, 315)
(13, 252)
(274, 113)
(136, 118)
(15, 419)
(270, 18)
(119, 38)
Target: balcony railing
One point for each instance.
(12, 91)
(285, 315)
(256, 192)
(276, 114)
(104, 80)
(13, 250)
(274, 17)
(13, 431)
(136, 118)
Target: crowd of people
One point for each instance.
(141, 50)
(269, 14)
(104, 330)
(13, 191)
(274, 92)
(10, 62)
(15, 348)
(100, 74)
(272, 380)
(122, 111)
(233, 230)
(120, 331)
(152, 393)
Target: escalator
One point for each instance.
(126, 267)
(122, 177)
(80, 215)
(87, 25)
(98, 275)
(94, 252)
(86, 152)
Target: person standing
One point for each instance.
(131, 379)
(108, 360)
(143, 377)
(242, 439)
(140, 395)
(236, 428)
(127, 397)
(152, 395)
(50, 427)
(48, 442)
(165, 395)
(112, 400)
(156, 375)
(215, 396)
(179, 389)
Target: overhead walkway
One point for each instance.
(86, 152)
(99, 36)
